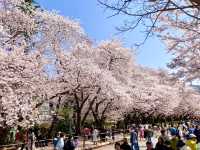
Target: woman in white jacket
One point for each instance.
(60, 144)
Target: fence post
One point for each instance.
(84, 142)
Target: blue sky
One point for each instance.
(94, 19)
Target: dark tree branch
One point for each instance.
(105, 109)
(87, 112)
(84, 101)
(144, 11)
(59, 94)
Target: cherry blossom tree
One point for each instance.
(22, 87)
(85, 81)
(118, 60)
(103, 81)
(26, 40)
(114, 57)
(156, 92)
(110, 105)
(190, 102)
(181, 37)
(21, 74)
(79, 78)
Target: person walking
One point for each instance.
(198, 145)
(160, 144)
(95, 136)
(191, 142)
(149, 145)
(125, 145)
(191, 129)
(197, 133)
(69, 144)
(181, 146)
(60, 143)
(150, 134)
(180, 132)
(31, 139)
(173, 131)
(146, 133)
(55, 140)
(134, 140)
(117, 146)
(113, 134)
(76, 142)
(174, 140)
(141, 133)
(164, 136)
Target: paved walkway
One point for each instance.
(111, 147)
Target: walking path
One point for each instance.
(111, 147)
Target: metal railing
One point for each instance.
(85, 142)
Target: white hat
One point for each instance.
(192, 136)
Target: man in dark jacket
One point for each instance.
(197, 133)
(134, 140)
(125, 145)
(69, 144)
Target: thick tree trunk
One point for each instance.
(101, 124)
(80, 102)
(78, 123)
(51, 129)
(99, 121)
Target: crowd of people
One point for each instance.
(31, 139)
(184, 136)
(62, 141)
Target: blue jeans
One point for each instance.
(134, 146)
